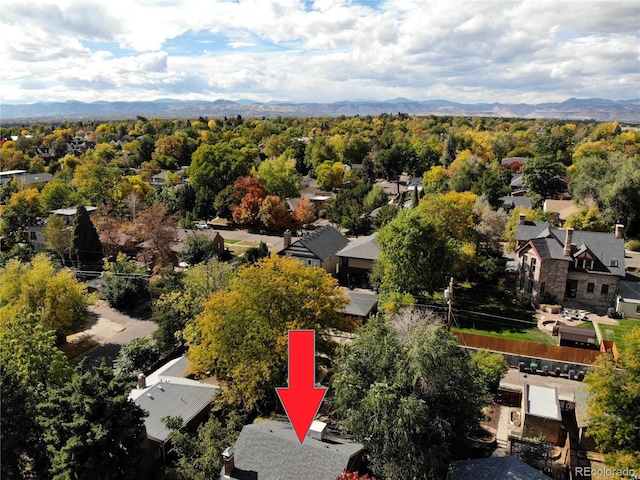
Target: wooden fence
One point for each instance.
(528, 349)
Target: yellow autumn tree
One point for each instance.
(38, 288)
(242, 335)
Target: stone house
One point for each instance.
(556, 265)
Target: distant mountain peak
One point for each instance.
(598, 109)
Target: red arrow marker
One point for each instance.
(301, 399)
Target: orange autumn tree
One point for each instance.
(242, 335)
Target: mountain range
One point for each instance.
(598, 109)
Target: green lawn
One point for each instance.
(486, 311)
(231, 242)
(616, 332)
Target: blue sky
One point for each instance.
(319, 50)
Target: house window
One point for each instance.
(614, 263)
(590, 287)
(638, 309)
(542, 286)
(533, 264)
(589, 264)
(521, 283)
(309, 262)
(32, 235)
(605, 290)
(530, 287)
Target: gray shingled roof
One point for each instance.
(549, 242)
(493, 468)
(510, 201)
(270, 450)
(365, 247)
(171, 399)
(323, 243)
(360, 303)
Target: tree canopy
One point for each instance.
(242, 334)
(614, 404)
(37, 287)
(408, 395)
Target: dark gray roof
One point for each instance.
(365, 248)
(360, 303)
(172, 399)
(516, 180)
(270, 450)
(576, 334)
(31, 178)
(549, 243)
(322, 243)
(492, 468)
(510, 201)
(629, 290)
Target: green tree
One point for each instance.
(543, 178)
(22, 211)
(38, 287)
(213, 167)
(377, 197)
(280, 177)
(57, 236)
(123, 283)
(491, 367)
(91, 429)
(622, 196)
(178, 306)
(57, 194)
(85, 249)
(200, 455)
(449, 151)
(413, 258)
(253, 254)
(255, 314)
(408, 395)
(137, 356)
(614, 404)
(197, 248)
(587, 219)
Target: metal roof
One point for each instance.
(542, 402)
(360, 303)
(165, 399)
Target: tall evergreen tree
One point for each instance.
(449, 152)
(86, 249)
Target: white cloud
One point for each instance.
(326, 50)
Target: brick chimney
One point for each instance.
(619, 231)
(229, 462)
(567, 242)
(287, 238)
(142, 381)
(522, 217)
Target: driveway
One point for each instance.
(108, 330)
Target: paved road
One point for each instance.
(112, 329)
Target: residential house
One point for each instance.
(8, 175)
(560, 209)
(509, 202)
(361, 306)
(69, 214)
(514, 163)
(32, 179)
(356, 261)
(168, 392)
(628, 298)
(270, 450)
(316, 249)
(557, 265)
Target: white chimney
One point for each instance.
(619, 231)
(567, 242)
(229, 462)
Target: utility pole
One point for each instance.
(448, 294)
